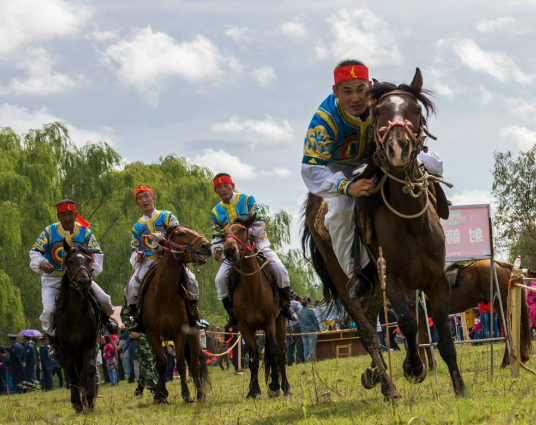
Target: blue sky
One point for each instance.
(233, 85)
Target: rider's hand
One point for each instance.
(133, 335)
(218, 253)
(140, 255)
(360, 188)
(47, 268)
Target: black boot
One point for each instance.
(365, 281)
(53, 351)
(138, 325)
(229, 309)
(284, 294)
(194, 315)
(138, 392)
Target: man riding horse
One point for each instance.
(145, 243)
(336, 145)
(235, 205)
(46, 259)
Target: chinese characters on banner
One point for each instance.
(467, 232)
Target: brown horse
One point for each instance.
(472, 287)
(164, 310)
(77, 327)
(255, 308)
(405, 225)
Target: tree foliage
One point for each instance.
(514, 184)
(45, 166)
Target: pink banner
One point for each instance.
(467, 232)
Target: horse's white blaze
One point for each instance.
(398, 101)
(80, 256)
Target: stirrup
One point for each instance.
(54, 352)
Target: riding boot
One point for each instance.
(138, 392)
(284, 294)
(194, 315)
(365, 281)
(53, 351)
(138, 325)
(229, 309)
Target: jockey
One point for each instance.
(235, 205)
(335, 145)
(46, 259)
(145, 245)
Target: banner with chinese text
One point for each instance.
(467, 232)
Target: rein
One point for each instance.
(175, 248)
(72, 283)
(246, 246)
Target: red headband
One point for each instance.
(141, 188)
(351, 72)
(71, 206)
(222, 180)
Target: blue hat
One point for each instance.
(12, 336)
(26, 337)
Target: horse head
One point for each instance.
(237, 240)
(186, 244)
(77, 266)
(399, 125)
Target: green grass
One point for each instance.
(329, 392)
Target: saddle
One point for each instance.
(453, 273)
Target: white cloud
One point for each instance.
(360, 34)
(436, 79)
(294, 30)
(221, 161)
(257, 130)
(21, 120)
(495, 64)
(486, 96)
(104, 36)
(26, 21)
(520, 136)
(521, 107)
(40, 78)
(489, 25)
(238, 34)
(471, 197)
(264, 75)
(146, 58)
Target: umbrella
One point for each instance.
(30, 332)
(204, 323)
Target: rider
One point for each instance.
(335, 146)
(235, 205)
(145, 245)
(46, 259)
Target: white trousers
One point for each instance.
(282, 277)
(140, 270)
(50, 287)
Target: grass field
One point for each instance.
(328, 392)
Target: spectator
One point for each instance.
(109, 359)
(46, 364)
(4, 389)
(484, 310)
(531, 301)
(294, 342)
(391, 327)
(169, 352)
(478, 331)
(309, 327)
(31, 360)
(238, 365)
(16, 363)
(320, 313)
(57, 370)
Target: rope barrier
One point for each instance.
(224, 353)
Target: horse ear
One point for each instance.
(250, 220)
(375, 82)
(417, 80)
(66, 246)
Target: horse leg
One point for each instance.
(160, 393)
(281, 354)
(414, 369)
(439, 303)
(90, 378)
(253, 350)
(181, 368)
(195, 365)
(271, 363)
(75, 386)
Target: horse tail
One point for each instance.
(319, 265)
(526, 335)
(203, 369)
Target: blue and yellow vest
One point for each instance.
(154, 225)
(334, 135)
(50, 243)
(223, 215)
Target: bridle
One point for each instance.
(245, 246)
(71, 276)
(177, 249)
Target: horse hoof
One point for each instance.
(160, 401)
(387, 397)
(274, 394)
(78, 408)
(188, 400)
(411, 376)
(369, 378)
(254, 394)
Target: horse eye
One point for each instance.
(181, 233)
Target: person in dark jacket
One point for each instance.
(4, 389)
(16, 363)
(31, 361)
(309, 327)
(46, 364)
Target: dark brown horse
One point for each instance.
(472, 287)
(405, 225)
(255, 308)
(164, 310)
(77, 327)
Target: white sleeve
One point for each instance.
(257, 230)
(98, 260)
(36, 259)
(216, 243)
(321, 181)
(432, 162)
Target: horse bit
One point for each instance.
(246, 246)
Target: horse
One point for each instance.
(405, 225)
(255, 308)
(471, 287)
(77, 327)
(163, 300)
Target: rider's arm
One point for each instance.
(323, 182)
(37, 259)
(432, 162)
(98, 256)
(135, 244)
(217, 233)
(171, 220)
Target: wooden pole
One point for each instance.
(514, 314)
(465, 329)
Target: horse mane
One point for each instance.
(422, 95)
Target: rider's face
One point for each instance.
(353, 96)
(145, 201)
(225, 191)
(67, 219)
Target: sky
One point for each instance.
(233, 85)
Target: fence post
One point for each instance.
(514, 314)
